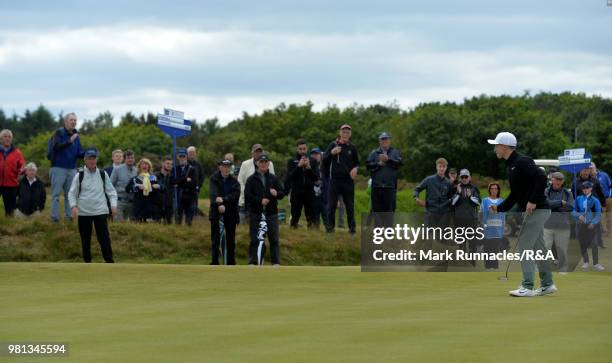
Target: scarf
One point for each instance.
(146, 183)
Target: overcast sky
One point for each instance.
(222, 58)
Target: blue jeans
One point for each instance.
(61, 179)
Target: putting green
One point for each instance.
(186, 313)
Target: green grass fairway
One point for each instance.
(186, 313)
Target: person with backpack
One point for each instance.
(93, 199)
(11, 165)
(63, 150)
(588, 215)
(557, 227)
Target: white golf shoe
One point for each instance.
(546, 290)
(522, 292)
(598, 267)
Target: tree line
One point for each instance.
(545, 124)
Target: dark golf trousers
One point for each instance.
(101, 224)
(9, 197)
(230, 241)
(272, 221)
(383, 200)
(346, 189)
(587, 238)
(299, 200)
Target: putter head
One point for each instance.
(503, 278)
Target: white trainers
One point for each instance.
(522, 292)
(546, 290)
(598, 267)
(585, 265)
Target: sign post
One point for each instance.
(574, 160)
(173, 123)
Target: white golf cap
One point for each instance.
(503, 138)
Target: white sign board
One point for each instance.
(575, 153)
(174, 122)
(174, 113)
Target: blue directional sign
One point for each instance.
(574, 160)
(173, 123)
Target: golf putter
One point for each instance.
(505, 277)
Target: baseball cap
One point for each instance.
(315, 150)
(224, 162)
(263, 157)
(384, 135)
(256, 147)
(503, 138)
(346, 126)
(91, 152)
(587, 184)
(181, 151)
(464, 172)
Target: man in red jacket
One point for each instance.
(11, 165)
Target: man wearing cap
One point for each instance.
(557, 227)
(247, 168)
(527, 185)
(121, 177)
(342, 162)
(383, 164)
(588, 214)
(92, 198)
(262, 192)
(186, 181)
(224, 192)
(302, 173)
(465, 203)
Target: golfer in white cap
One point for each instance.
(527, 184)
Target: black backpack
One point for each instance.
(51, 145)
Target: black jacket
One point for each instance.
(199, 172)
(165, 196)
(187, 189)
(527, 184)
(339, 166)
(301, 180)
(30, 198)
(230, 200)
(255, 191)
(384, 176)
(466, 207)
